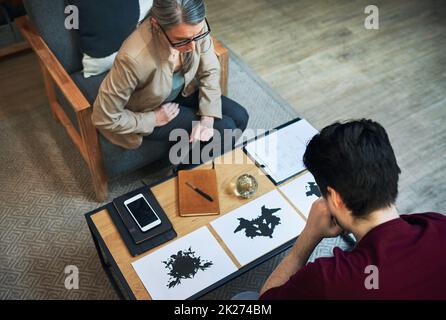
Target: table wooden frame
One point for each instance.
(114, 254)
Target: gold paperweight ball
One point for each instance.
(246, 186)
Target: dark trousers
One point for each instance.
(234, 117)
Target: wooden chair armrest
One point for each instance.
(61, 78)
(223, 56)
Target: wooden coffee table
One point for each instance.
(114, 255)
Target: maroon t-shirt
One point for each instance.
(410, 258)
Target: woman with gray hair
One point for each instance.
(166, 76)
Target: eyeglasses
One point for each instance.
(186, 42)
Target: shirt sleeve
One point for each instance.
(208, 75)
(109, 110)
(306, 284)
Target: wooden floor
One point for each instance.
(320, 58)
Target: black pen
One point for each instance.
(201, 193)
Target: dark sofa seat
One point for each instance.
(89, 86)
(117, 160)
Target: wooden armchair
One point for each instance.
(83, 133)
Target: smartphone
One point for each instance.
(142, 212)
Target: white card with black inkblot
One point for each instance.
(184, 267)
(302, 192)
(259, 227)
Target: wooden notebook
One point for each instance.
(191, 202)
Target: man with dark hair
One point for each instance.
(396, 257)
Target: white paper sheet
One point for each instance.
(281, 152)
(302, 192)
(186, 271)
(250, 237)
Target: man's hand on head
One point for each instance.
(321, 223)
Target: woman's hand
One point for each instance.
(166, 113)
(204, 130)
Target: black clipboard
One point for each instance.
(245, 143)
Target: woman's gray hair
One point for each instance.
(169, 13)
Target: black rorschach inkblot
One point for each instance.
(313, 189)
(184, 265)
(262, 226)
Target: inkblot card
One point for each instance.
(184, 267)
(302, 192)
(259, 227)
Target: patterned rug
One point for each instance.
(45, 192)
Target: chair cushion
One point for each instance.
(105, 24)
(94, 66)
(103, 27)
(49, 18)
(88, 86)
(117, 161)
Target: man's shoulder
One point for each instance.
(429, 221)
(433, 216)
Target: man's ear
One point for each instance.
(335, 198)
